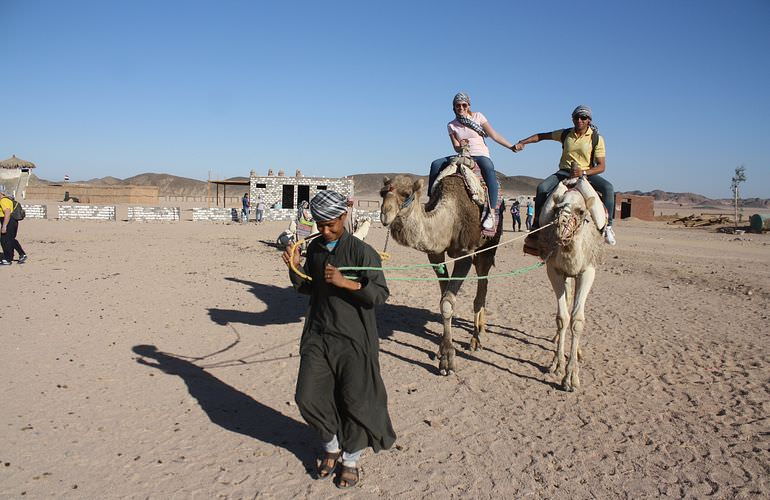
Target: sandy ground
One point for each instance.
(159, 360)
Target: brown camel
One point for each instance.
(571, 248)
(449, 224)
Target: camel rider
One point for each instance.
(583, 153)
(471, 127)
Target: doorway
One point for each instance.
(287, 201)
(303, 194)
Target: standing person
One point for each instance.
(260, 208)
(246, 205)
(471, 127)
(8, 230)
(516, 214)
(340, 392)
(530, 213)
(583, 153)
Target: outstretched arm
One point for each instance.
(541, 136)
(491, 132)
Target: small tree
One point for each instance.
(740, 176)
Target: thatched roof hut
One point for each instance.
(16, 163)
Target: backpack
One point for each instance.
(594, 141)
(18, 212)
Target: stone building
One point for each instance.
(282, 195)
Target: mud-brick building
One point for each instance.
(629, 205)
(282, 195)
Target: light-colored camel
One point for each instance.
(571, 248)
(362, 228)
(448, 225)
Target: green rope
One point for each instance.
(475, 278)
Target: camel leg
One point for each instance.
(558, 283)
(483, 265)
(446, 353)
(583, 285)
(438, 258)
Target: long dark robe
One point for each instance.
(339, 388)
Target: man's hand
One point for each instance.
(519, 146)
(3, 230)
(333, 276)
(288, 257)
(576, 171)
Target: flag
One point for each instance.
(66, 177)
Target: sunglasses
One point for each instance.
(581, 117)
(461, 105)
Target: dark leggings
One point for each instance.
(9, 242)
(599, 183)
(487, 171)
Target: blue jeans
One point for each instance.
(599, 183)
(487, 171)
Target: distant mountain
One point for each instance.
(368, 186)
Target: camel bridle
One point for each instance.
(568, 224)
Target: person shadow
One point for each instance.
(284, 306)
(232, 409)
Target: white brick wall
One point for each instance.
(215, 214)
(35, 211)
(87, 212)
(146, 214)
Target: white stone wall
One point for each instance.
(35, 211)
(216, 214)
(273, 192)
(148, 214)
(86, 212)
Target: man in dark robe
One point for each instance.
(340, 392)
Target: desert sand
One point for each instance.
(159, 361)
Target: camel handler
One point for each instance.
(339, 392)
(583, 154)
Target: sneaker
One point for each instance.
(22, 258)
(4, 262)
(489, 221)
(609, 235)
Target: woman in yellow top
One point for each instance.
(8, 228)
(582, 154)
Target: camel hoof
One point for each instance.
(443, 372)
(475, 344)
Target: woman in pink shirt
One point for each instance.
(471, 127)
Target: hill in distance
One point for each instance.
(368, 186)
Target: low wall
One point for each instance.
(215, 214)
(35, 211)
(150, 214)
(88, 194)
(86, 212)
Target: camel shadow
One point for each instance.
(284, 306)
(233, 410)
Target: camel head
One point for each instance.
(398, 194)
(571, 213)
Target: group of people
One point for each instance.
(340, 392)
(259, 208)
(516, 214)
(583, 154)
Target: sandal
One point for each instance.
(349, 475)
(327, 464)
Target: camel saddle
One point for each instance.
(464, 167)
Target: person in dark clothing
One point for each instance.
(340, 392)
(9, 226)
(516, 214)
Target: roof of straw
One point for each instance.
(14, 162)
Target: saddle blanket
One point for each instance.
(470, 173)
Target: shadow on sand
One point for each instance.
(233, 410)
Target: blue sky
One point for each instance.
(679, 88)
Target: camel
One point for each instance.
(362, 228)
(449, 224)
(571, 248)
